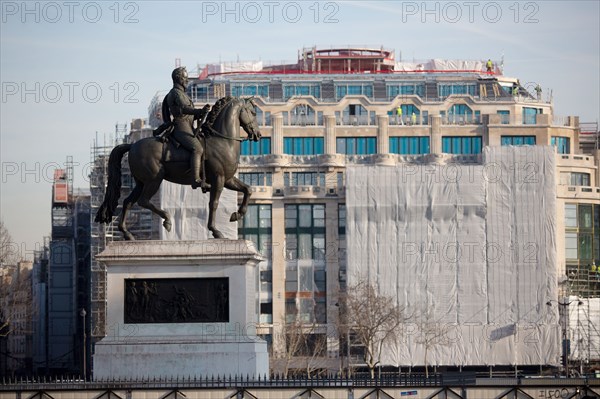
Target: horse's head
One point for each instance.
(248, 120)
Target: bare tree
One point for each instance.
(304, 347)
(8, 259)
(9, 253)
(315, 348)
(371, 317)
(16, 299)
(431, 333)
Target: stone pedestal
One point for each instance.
(180, 309)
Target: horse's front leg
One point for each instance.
(213, 204)
(236, 184)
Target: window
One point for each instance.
(562, 144)
(504, 117)
(250, 89)
(446, 89)
(198, 92)
(321, 308)
(585, 245)
(61, 255)
(407, 115)
(301, 89)
(304, 179)
(356, 145)
(303, 145)
(266, 281)
(266, 312)
(579, 179)
(571, 245)
(260, 147)
(305, 231)
(394, 90)
(342, 90)
(585, 216)
(529, 115)
(257, 178)
(355, 114)
(342, 219)
(518, 140)
(303, 115)
(597, 234)
(262, 118)
(412, 145)
(462, 114)
(461, 145)
(570, 215)
(256, 227)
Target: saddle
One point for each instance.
(173, 151)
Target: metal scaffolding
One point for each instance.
(141, 221)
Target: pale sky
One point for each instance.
(70, 70)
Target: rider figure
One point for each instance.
(181, 107)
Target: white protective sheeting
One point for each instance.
(245, 66)
(189, 212)
(468, 250)
(584, 328)
(445, 65)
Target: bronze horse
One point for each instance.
(152, 161)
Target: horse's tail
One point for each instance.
(113, 189)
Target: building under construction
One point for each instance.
(338, 110)
(341, 109)
(60, 281)
(141, 221)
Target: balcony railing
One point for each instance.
(407, 120)
(466, 119)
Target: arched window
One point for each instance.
(305, 115)
(407, 115)
(61, 255)
(355, 114)
(462, 114)
(263, 118)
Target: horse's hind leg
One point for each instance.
(236, 184)
(127, 203)
(150, 188)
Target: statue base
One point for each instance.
(180, 309)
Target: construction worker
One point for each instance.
(399, 120)
(413, 119)
(538, 91)
(489, 65)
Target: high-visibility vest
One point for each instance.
(489, 64)
(399, 111)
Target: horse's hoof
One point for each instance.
(217, 234)
(234, 217)
(128, 236)
(167, 225)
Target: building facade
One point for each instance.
(354, 106)
(61, 281)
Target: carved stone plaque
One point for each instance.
(177, 300)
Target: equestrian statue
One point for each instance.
(204, 157)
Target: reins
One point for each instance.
(218, 134)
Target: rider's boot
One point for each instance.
(196, 164)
